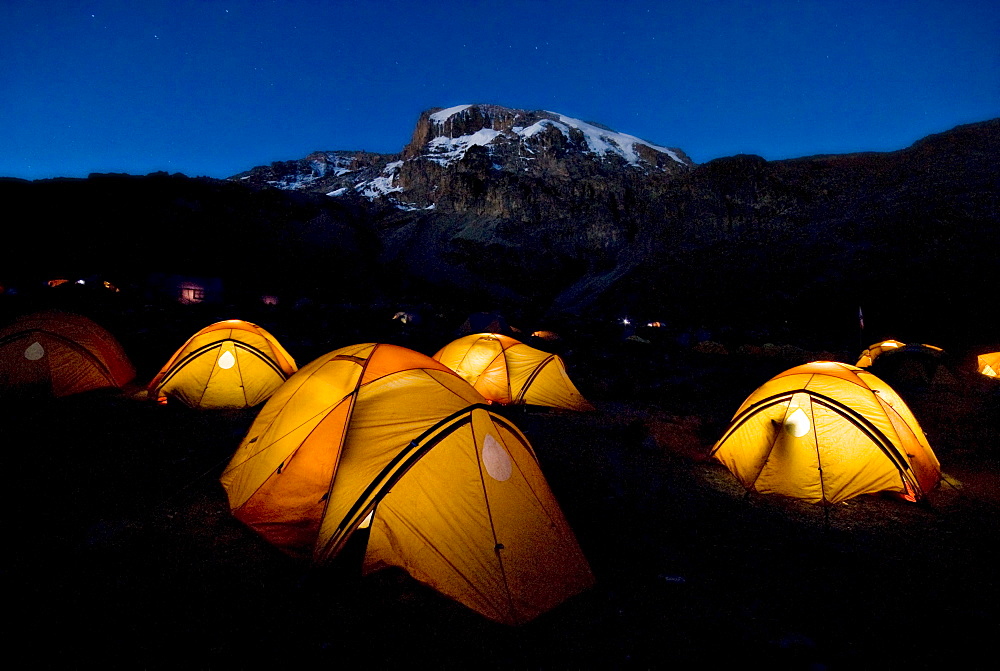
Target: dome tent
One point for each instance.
(227, 365)
(872, 352)
(382, 436)
(914, 363)
(507, 371)
(825, 432)
(989, 364)
(56, 354)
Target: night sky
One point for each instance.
(205, 87)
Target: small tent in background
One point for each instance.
(824, 432)
(384, 437)
(229, 365)
(507, 371)
(873, 351)
(55, 354)
(989, 364)
(907, 363)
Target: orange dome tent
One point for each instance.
(825, 432)
(55, 354)
(230, 364)
(507, 371)
(989, 364)
(384, 437)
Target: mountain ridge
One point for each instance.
(736, 240)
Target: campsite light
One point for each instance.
(625, 321)
(80, 282)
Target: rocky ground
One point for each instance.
(122, 552)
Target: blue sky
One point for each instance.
(206, 87)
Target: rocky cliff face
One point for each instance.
(497, 196)
(473, 158)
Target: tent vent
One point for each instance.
(34, 352)
(227, 360)
(797, 424)
(496, 459)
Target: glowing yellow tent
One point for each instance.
(869, 355)
(989, 364)
(54, 354)
(505, 370)
(384, 436)
(825, 432)
(230, 364)
(873, 351)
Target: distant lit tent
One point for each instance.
(383, 437)
(548, 336)
(907, 363)
(228, 365)
(55, 354)
(507, 371)
(989, 364)
(873, 351)
(825, 432)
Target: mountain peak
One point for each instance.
(444, 135)
(455, 146)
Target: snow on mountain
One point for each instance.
(446, 148)
(602, 141)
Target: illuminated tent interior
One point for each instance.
(825, 432)
(227, 365)
(380, 436)
(989, 364)
(55, 354)
(507, 371)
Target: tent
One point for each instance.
(230, 364)
(907, 363)
(383, 437)
(872, 352)
(505, 370)
(55, 354)
(989, 364)
(825, 432)
(895, 347)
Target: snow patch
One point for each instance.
(446, 114)
(382, 185)
(601, 141)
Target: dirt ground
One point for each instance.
(122, 551)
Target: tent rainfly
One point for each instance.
(227, 365)
(383, 437)
(507, 371)
(55, 354)
(825, 432)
